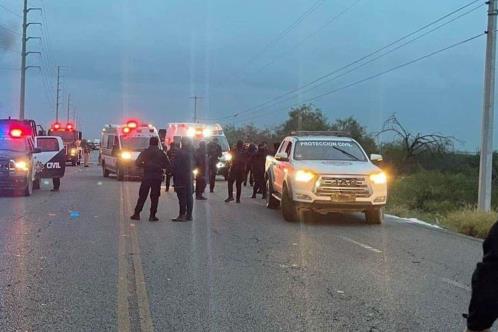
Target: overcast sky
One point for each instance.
(146, 58)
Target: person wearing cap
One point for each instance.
(154, 161)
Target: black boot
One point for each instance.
(153, 218)
(135, 216)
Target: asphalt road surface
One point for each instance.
(73, 261)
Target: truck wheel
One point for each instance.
(73, 163)
(119, 174)
(105, 172)
(29, 187)
(271, 202)
(289, 210)
(36, 184)
(374, 216)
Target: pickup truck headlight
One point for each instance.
(378, 178)
(220, 165)
(73, 151)
(21, 165)
(304, 176)
(195, 171)
(228, 157)
(125, 155)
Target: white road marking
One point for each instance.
(364, 246)
(456, 284)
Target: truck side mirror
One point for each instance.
(37, 150)
(282, 156)
(376, 157)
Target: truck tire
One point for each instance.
(374, 216)
(289, 210)
(271, 202)
(105, 172)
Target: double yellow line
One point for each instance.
(131, 281)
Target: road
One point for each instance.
(234, 268)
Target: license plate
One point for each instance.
(343, 198)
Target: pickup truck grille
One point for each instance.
(342, 184)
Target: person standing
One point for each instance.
(201, 165)
(85, 148)
(183, 167)
(483, 307)
(258, 167)
(171, 156)
(251, 152)
(154, 161)
(237, 171)
(214, 153)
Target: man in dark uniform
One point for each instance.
(251, 152)
(214, 153)
(171, 156)
(201, 165)
(483, 308)
(183, 167)
(154, 161)
(258, 168)
(237, 171)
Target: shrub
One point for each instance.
(470, 221)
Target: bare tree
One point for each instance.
(416, 144)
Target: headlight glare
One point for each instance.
(228, 156)
(125, 155)
(378, 178)
(21, 165)
(304, 176)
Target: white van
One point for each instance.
(120, 146)
(201, 132)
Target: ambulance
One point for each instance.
(201, 132)
(120, 146)
(26, 158)
(69, 136)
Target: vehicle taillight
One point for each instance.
(126, 130)
(16, 132)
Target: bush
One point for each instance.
(470, 221)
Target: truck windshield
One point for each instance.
(328, 150)
(67, 136)
(15, 145)
(135, 143)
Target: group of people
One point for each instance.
(186, 165)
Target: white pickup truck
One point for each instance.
(325, 172)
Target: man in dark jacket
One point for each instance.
(183, 167)
(252, 149)
(171, 155)
(214, 153)
(237, 171)
(483, 308)
(201, 166)
(258, 168)
(154, 161)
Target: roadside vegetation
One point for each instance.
(429, 179)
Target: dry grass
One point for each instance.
(471, 222)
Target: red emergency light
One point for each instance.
(16, 132)
(126, 130)
(69, 126)
(132, 124)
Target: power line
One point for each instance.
(402, 38)
(10, 10)
(286, 31)
(405, 64)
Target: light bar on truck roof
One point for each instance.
(16, 132)
(321, 133)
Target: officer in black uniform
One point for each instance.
(201, 164)
(171, 156)
(237, 171)
(154, 161)
(258, 169)
(183, 167)
(483, 308)
(214, 153)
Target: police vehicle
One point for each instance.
(120, 146)
(201, 132)
(69, 136)
(26, 158)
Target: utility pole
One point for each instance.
(68, 106)
(195, 98)
(57, 94)
(24, 53)
(486, 162)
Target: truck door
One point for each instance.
(278, 170)
(51, 160)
